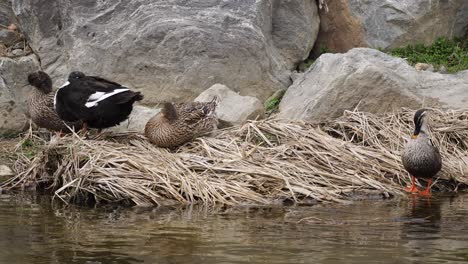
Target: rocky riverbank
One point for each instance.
(260, 162)
(7, 158)
(177, 51)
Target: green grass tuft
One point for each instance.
(27, 143)
(453, 54)
(272, 105)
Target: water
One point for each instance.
(32, 230)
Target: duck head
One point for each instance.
(168, 111)
(75, 75)
(420, 123)
(41, 81)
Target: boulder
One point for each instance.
(424, 67)
(340, 30)
(8, 31)
(8, 37)
(14, 93)
(173, 50)
(5, 171)
(232, 107)
(6, 13)
(137, 119)
(371, 81)
(389, 24)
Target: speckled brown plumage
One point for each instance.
(41, 104)
(180, 123)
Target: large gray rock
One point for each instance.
(371, 81)
(8, 37)
(461, 21)
(14, 93)
(232, 107)
(5, 171)
(173, 50)
(6, 13)
(7, 17)
(389, 23)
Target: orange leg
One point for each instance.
(412, 188)
(427, 191)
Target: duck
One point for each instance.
(41, 105)
(177, 124)
(97, 102)
(421, 158)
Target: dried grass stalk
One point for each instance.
(257, 163)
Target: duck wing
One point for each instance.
(194, 112)
(97, 89)
(100, 84)
(49, 100)
(69, 103)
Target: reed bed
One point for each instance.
(260, 162)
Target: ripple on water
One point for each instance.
(33, 230)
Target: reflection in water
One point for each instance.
(397, 231)
(423, 218)
(421, 227)
(429, 225)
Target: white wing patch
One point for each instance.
(55, 96)
(65, 84)
(55, 100)
(97, 97)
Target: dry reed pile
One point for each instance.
(258, 163)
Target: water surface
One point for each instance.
(34, 230)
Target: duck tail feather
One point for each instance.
(129, 96)
(210, 107)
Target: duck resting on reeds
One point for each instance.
(177, 124)
(97, 102)
(41, 105)
(420, 157)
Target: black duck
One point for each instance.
(98, 102)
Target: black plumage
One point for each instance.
(98, 102)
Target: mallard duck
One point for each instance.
(180, 123)
(41, 105)
(98, 102)
(420, 157)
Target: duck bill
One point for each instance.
(417, 129)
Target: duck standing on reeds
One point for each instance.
(98, 102)
(180, 123)
(420, 157)
(41, 105)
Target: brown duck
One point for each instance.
(420, 157)
(180, 123)
(41, 104)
